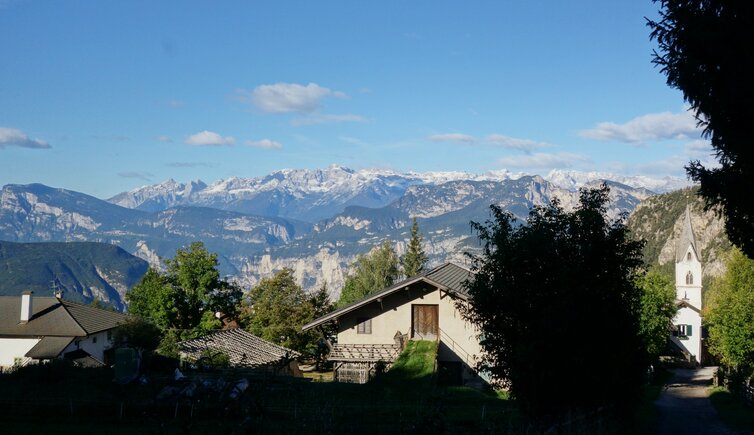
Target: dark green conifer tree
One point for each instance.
(415, 259)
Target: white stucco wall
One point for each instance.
(394, 314)
(692, 294)
(95, 345)
(693, 343)
(12, 348)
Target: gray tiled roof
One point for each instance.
(94, 319)
(54, 317)
(451, 276)
(49, 347)
(243, 348)
(448, 276)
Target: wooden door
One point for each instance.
(425, 322)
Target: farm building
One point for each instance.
(423, 307)
(44, 328)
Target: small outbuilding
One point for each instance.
(244, 350)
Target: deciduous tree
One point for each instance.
(558, 307)
(187, 295)
(370, 273)
(276, 309)
(657, 310)
(730, 316)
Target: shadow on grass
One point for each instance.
(732, 409)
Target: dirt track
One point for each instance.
(684, 406)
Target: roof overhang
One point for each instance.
(684, 303)
(379, 295)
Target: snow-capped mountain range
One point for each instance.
(312, 195)
(314, 221)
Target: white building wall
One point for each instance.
(692, 294)
(394, 315)
(693, 342)
(95, 345)
(12, 348)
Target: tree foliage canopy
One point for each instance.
(276, 309)
(730, 316)
(657, 310)
(707, 51)
(370, 273)
(414, 260)
(187, 295)
(558, 308)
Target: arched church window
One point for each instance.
(688, 256)
(689, 278)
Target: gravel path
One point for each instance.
(684, 406)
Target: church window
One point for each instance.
(689, 278)
(688, 256)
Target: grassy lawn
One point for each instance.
(732, 409)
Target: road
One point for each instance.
(684, 406)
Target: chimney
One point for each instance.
(26, 306)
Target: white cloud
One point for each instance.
(326, 118)
(146, 176)
(265, 143)
(699, 147)
(674, 164)
(289, 97)
(209, 138)
(164, 139)
(653, 126)
(16, 137)
(453, 137)
(188, 165)
(544, 160)
(354, 141)
(525, 145)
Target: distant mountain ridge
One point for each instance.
(312, 195)
(37, 213)
(82, 270)
(344, 213)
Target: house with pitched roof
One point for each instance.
(687, 324)
(44, 328)
(422, 307)
(244, 349)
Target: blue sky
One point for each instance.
(101, 97)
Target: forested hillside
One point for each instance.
(659, 220)
(83, 270)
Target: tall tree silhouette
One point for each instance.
(415, 258)
(558, 307)
(706, 49)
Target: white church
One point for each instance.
(687, 324)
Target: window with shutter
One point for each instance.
(364, 326)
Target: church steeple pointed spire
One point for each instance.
(687, 238)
